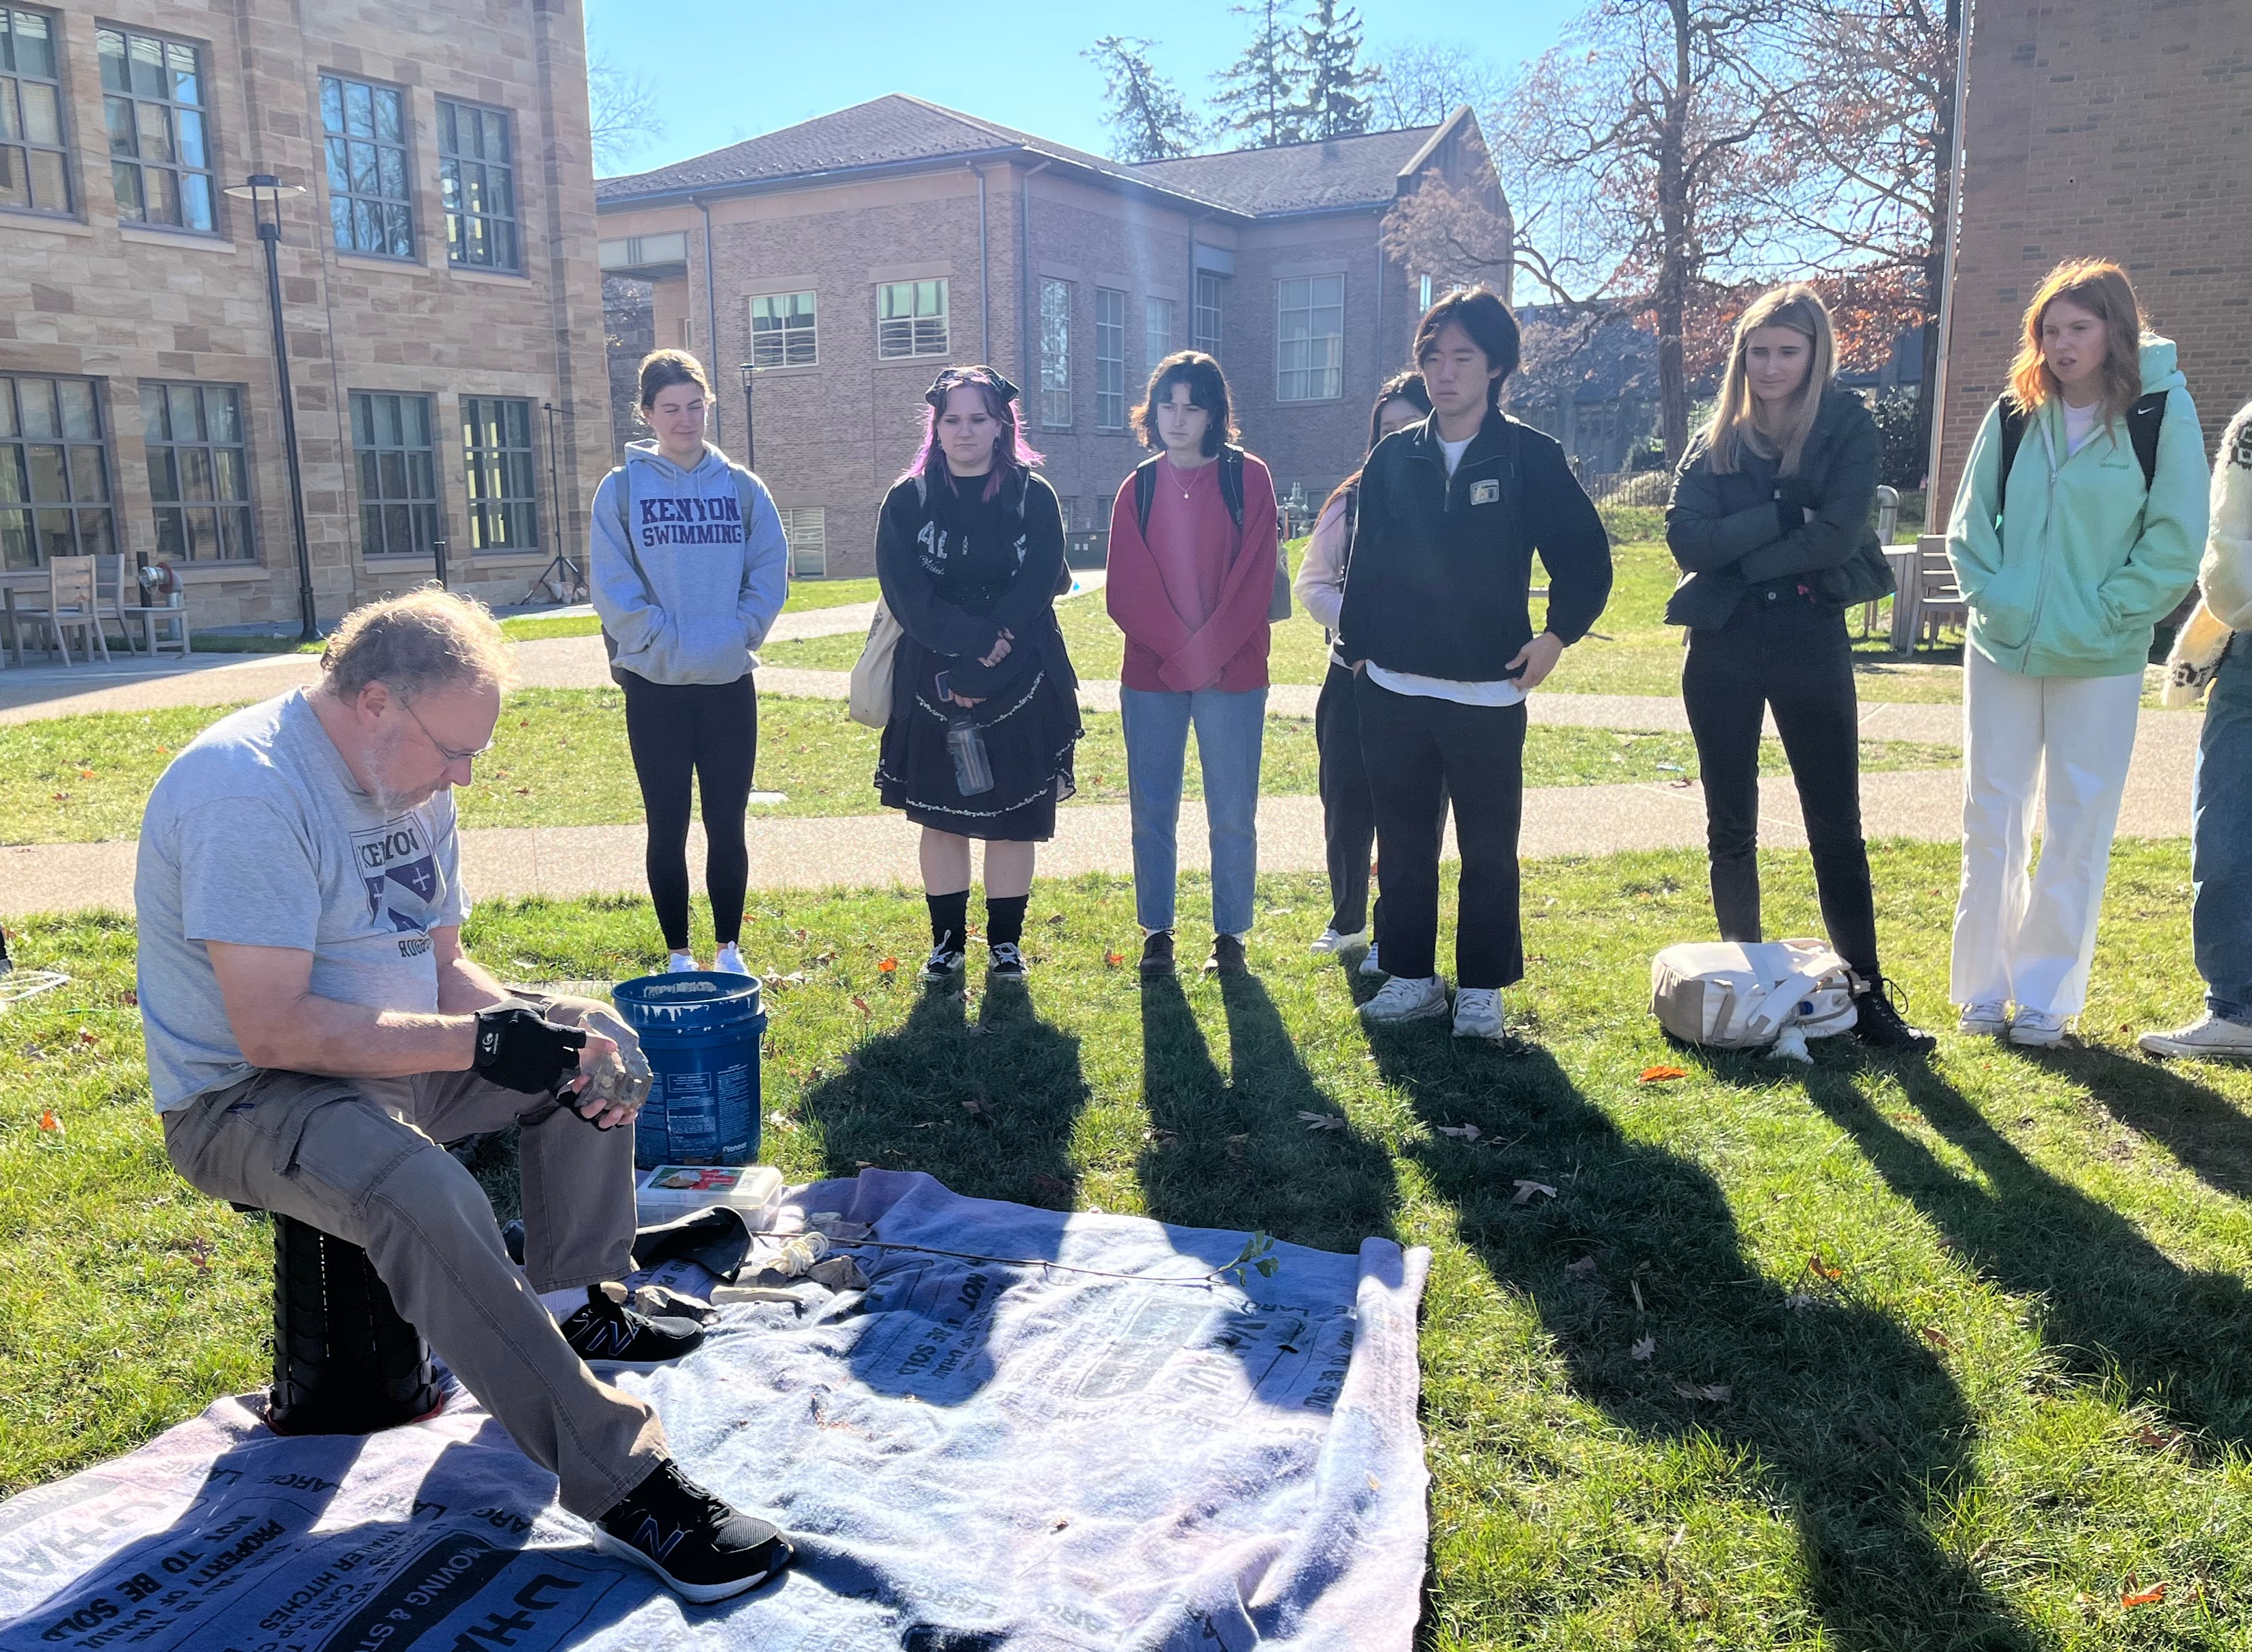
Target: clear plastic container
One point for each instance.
(672, 1191)
(973, 770)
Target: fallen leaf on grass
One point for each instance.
(49, 1122)
(975, 1109)
(1114, 959)
(86, 1035)
(1322, 1121)
(861, 1004)
(1815, 1264)
(1526, 1190)
(2152, 1439)
(1467, 1132)
(1703, 1391)
(889, 967)
(1662, 1075)
(1938, 1338)
(1643, 1349)
(1585, 1265)
(2151, 1596)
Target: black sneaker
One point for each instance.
(1008, 962)
(1226, 957)
(942, 964)
(607, 1333)
(1879, 1024)
(700, 1546)
(1158, 953)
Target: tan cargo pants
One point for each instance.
(318, 1150)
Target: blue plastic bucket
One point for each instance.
(700, 1030)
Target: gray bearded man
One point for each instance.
(315, 1031)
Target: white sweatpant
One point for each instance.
(2024, 940)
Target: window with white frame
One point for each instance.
(1309, 339)
(1205, 318)
(34, 170)
(1055, 354)
(1109, 359)
(911, 319)
(198, 472)
(806, 528)
(154, 99)
(1157, 331)
(782, 330)
(476, 180)
(370, 197)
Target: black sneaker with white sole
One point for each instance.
(1880, 1024)
(1007, 962)
(702, 1546)
(608, 1334)
(944, 964)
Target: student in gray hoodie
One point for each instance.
(689, 568)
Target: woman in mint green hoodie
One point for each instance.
(2067, 567)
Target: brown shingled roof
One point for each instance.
(1297, 177)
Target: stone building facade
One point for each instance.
(853, 255)
(439, 294)
(2113, 131)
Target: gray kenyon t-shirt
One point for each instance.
(257, 835)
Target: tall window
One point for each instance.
(1109, 359)
(497, 457)
(153, 99)
(782, 330)
(911, 319)
(1205, 318)
(32, 175)
(198, 472)
(1309, 339)
(54, 472)
(476, 180)
(371, 203)
(397, 473)
(1157, 331)
(1055, 354)
(806, 528)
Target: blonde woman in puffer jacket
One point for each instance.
(2213, 656)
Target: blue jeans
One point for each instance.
(2221, 839)
(1229, 729)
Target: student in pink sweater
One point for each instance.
(1191, 577)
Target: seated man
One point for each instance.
(315, 1031)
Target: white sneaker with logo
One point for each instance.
(1405, 999)
(1330, 942)
(729, 961)
(1984, 1020)
(680, 963)
(2036, 1030)
(2208, 1035)
(1478, 1014)
(1368, 965)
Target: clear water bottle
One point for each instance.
(973, 772)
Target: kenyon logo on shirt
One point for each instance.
(718, 521)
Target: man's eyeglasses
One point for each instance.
(444, 751)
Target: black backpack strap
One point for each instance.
(2142, 422)
(2014, 433)
(1145, 493)
(1231, 483)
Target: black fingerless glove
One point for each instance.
(519, 1050)
(1793, 499)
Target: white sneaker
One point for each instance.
(1331, 943)
(1405, 999)
(2207, 1036)
(1368, 965)
(729, 961)
(680, 963)
(1478, 1014)
(1984, 1020)
(2037, 1030)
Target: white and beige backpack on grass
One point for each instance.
(1729, 994)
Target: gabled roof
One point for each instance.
(1298, 177)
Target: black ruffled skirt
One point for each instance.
(1030, 729)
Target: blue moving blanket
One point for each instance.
(969, 1454)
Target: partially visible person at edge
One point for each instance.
(970, 554)
(2213, 656)
(1770, 509)
(688, 569)
(2068, 565)
(1191, 592)
(1348, 806)
(315, 1031)
(1436, 623)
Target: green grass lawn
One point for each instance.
(1634, 651)
(559, 758)
(1937, 1356)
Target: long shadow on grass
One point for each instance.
(1845, 1421)
(987, 1106)
(1235, 1151)
(2200, 1127)
(2114, 1303)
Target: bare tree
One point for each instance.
(621, 111)
(1147, 118)
(1424, 81)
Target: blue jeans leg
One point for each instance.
(1156, 725)
(2220, 855)
(1231, 729)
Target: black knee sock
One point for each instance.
(1005, 919)
(950, 919)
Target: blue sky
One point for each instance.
(747, 66)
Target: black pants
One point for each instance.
(710, 730)
(1349, 805)
(1421, 753)
(1786, 653)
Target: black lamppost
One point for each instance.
(262, 190)
(750, 443)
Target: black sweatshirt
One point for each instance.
(1442, 568)
(957, 570)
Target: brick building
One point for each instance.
(439, 285)
(2094, 129)
(852, 256)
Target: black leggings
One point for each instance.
(711, 730)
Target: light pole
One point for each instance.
(262, 190)
(749, 370)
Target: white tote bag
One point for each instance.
(871, 701)
(1727, 995)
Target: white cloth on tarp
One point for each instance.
(967, 1455)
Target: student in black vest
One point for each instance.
(1770, 514)
(1436, 624)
